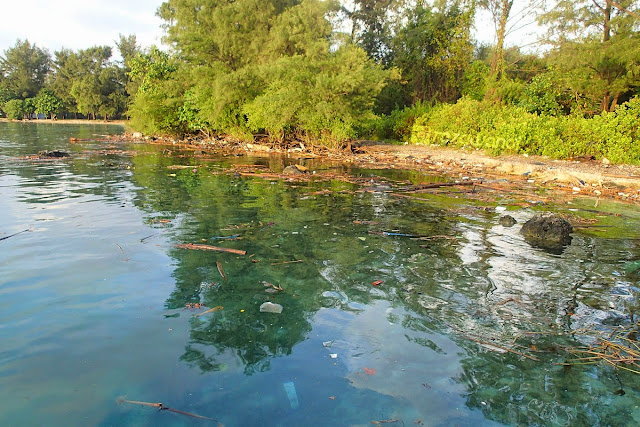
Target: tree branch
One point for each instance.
(622, 9)
(598, 6)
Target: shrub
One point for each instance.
(509, 129)
(14, 109)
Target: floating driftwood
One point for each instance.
(220, 270)
(15, 234)
(287, 262)
(211, 310)
(200, 247)
(161, 407)
(440, 185)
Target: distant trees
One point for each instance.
(596, 46)
(331, 70)
(24, 68)
(85, 82)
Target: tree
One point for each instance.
(433, 49)
(66, 67)
(508, 16)
(596, 46)
(14, 109)
(24, 68)
(129, 49)
(234, 59)
(47, 103)
(372, 27)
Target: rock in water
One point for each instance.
(53, 154)
(507, 221)
(269, 307)
(547, 231)
(294, 170)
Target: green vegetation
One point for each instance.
(329, 71)
(499, 129)
(86, 83)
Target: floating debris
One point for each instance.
(269, 307)
(15, 234)
(290, 389)
(196, 246)
(161, 407)
(211, 310)
(220, 270)
(369, 371)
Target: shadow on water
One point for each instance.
(428, 312)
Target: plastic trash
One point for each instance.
(290, 389)
(269, 307)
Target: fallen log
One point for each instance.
(200, 247)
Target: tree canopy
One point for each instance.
(328, 71)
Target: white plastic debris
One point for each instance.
(269, 307)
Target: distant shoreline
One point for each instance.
(69, 121)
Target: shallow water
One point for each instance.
(92, 298)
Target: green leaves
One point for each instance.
(24, 68)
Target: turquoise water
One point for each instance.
(93, 297)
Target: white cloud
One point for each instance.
(79, 24)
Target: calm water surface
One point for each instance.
(92, 299)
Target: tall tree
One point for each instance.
(237, 61)
(372, 27)
(433, 49)
(596, 44)
(24, 68)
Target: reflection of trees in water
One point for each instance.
(475, 284)
(535, 293)
(277, 222)
(86, 171)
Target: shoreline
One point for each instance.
(517, 173)
(68, 121)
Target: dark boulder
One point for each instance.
(507, 221)
(547, 231)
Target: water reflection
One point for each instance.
(428, 318)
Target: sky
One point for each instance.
(78, 24)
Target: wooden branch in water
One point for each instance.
(288, 262)
(15, 234)
(220, 270)
(501, 347)
(211, 310)
(161, 407)
(196, 246)
(439, 185)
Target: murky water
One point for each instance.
(93, 297)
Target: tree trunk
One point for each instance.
(497, 62)
(606, 36)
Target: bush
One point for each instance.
(398, 125)
(14, 109)
(509, 129)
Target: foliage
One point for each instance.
(156, 106)
(14, 109)
(433, 50)
(399, 124)
(474, 80)
(543, 95)
(47, 103)
(24, 68)
(328, 99)
(271, 71)
(597, 48)
(372, 28)
(500, 129)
